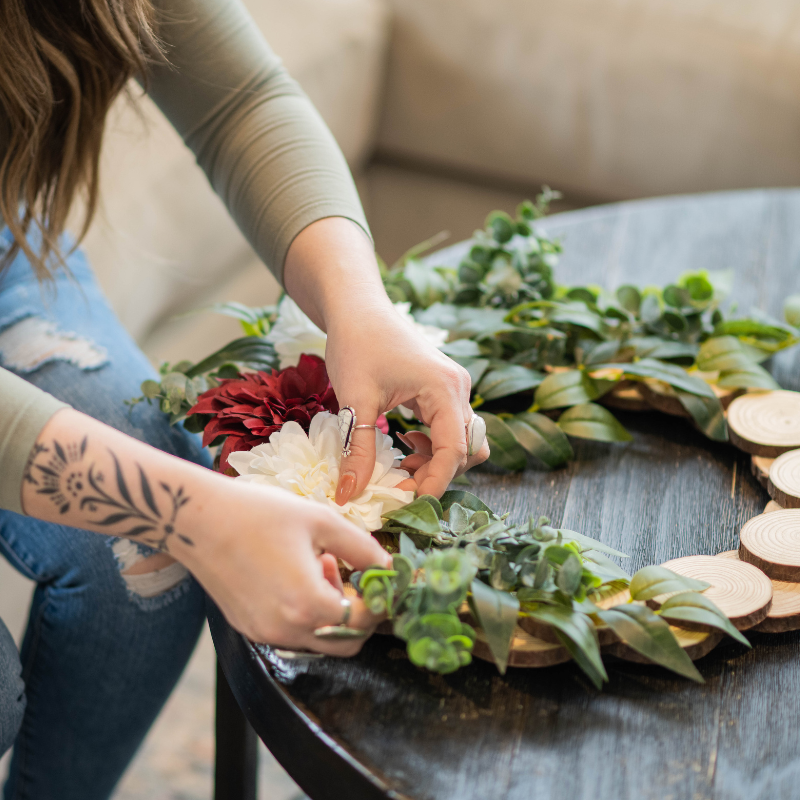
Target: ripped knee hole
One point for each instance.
(147, 575)
(31, 342)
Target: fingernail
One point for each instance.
(347, 485)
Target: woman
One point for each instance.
(113, 622)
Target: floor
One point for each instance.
(176, 760)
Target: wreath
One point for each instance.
(547, 363)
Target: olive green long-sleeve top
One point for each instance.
(262, 145)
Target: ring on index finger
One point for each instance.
(476, 434)
(347, 424)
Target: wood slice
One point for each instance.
(526, 650)
(662, 397)
(759, 467)
(784, 614)
(771, 542)
(696, 644)
(742, 592)
(784, 479)
(772, 506)
(626, 397)
(765, 423)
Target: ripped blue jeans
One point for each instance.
(102, 650)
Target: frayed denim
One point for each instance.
(98, 660)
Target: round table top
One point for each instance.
(375, 726)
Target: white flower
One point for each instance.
(436, 336)
(308, 465)
(294, 333)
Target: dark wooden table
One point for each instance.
(377, 727)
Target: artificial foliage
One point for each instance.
(547, 360)
(458, 564)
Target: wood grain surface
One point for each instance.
(376, 726)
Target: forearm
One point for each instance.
(84, 474)
(331, 272)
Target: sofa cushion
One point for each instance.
(163, 239)
(611, 98)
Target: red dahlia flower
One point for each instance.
(249, 408)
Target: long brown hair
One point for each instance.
(62, 63)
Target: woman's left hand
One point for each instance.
(381, 362)
(375, 358)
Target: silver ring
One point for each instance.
(476, 434)
(342, 630)
(347, 424)
(347, 608)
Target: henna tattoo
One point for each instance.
(62, 474)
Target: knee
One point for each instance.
(12, 691)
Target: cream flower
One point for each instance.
(294, 333)
(308, 465)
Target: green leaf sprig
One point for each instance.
(457, 549)
(532, 346)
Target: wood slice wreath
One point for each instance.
(740, 590)
(784, 480)
(784, 614)
(765, 423)
(771, 542)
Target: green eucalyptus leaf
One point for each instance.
(419, 515)
(434, 503)
(579, 635)
(753, 376)
(458, 518)
(501, 574)
(698, 609)
(722, 353)
(464, 499)
(565, 389)
(650, 310)
(151, 389)
(652, 581)
(591, 421)
(650, 636)
(568, 578)
(708, 414)
(497, 613)
(507, 380)
(461, 348)
(675, 376)
(505, 449)
(587, 543)
(629, 298)
(542, 438)
(411, 551)
(404, 568)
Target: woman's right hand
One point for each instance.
(266, 556)
(269, 562)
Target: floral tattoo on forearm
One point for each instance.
(71, 481)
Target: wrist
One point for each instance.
(331, 272)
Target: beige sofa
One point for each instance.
(447, 108)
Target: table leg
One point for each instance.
(236, 768)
